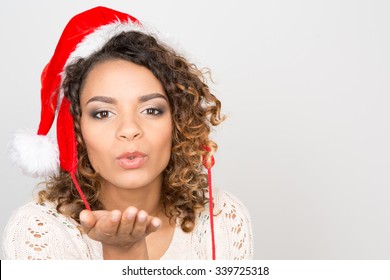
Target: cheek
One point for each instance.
(92, 142)
(163, 138)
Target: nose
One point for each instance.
(129, 129)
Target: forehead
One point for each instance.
(120, 78)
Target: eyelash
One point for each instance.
(149, 111)
(95, 115)
(157, 111)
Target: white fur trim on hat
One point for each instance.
(97, 39)
(36, 155)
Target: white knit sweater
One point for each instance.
(38, 231)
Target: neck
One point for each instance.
(143, 198)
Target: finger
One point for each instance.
(140, 224)
(87, 220)
(98, 214)
(107, 225)
(127, 222)
(153, 225)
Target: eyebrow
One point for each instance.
(141, 99)
(104, 99)
(148, 97)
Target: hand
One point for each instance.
(122, 235)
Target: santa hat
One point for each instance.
(37, 154)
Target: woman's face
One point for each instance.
(126, 124)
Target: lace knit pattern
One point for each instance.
(38, 232)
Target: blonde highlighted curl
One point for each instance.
(194, 111)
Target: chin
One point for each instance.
(133, 181)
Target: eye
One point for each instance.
(102, 114)
(153, 111)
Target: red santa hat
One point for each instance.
(37, 154)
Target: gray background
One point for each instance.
(305, 85)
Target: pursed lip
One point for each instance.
(130, 155)
(131, 160)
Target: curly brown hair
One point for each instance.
(193, 108)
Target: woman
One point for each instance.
(133, 129)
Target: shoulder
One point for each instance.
(37, 231)
(232, 226)
(227, 202)
(33, 214)
(40, 214)
(230, 208)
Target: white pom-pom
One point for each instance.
(36, 155)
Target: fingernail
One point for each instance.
(130, 215)
(83, 217)
(142, 216)
(115, 216)
(156, 222)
